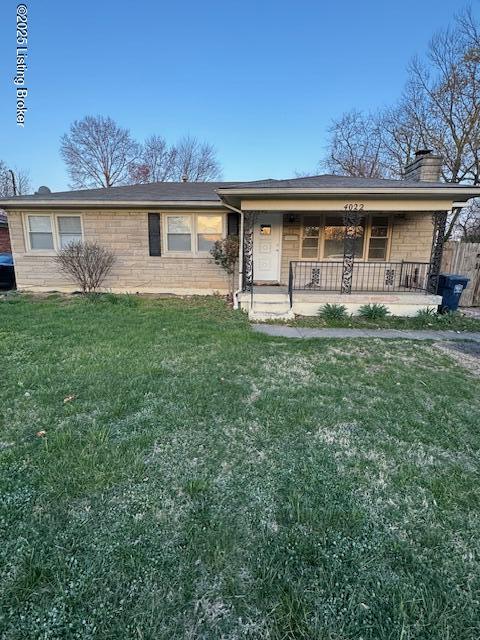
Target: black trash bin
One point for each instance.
(7, 271)
(450, 287)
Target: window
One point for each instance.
(40, 232)
(334, 238)
(209, 230)
(50, 232)
(311, 236)
(69, 230)
(378, 243)
(193, 233)
(179, 233)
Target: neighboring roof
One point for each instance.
(3, 218)
(213, 193)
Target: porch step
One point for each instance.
(281, 296)
(284, 314)
(270, 306)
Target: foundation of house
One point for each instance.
(273, 303)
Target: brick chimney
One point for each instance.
(426, 167)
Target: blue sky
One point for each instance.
(260, 80)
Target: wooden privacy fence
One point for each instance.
(463, 258)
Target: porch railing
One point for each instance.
(367, 276)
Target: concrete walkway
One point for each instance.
(304, 332)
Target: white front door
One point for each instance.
(267, 239)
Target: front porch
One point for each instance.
(296, 263)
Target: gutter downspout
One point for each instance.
(240, 255)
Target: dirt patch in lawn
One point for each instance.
(467, 354)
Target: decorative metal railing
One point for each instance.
(366, 276)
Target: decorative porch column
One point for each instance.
(248, 221)
(351, 220)
(439, 220)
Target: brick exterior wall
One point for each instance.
(126, 232)
(5, 246)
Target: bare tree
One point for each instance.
(13, 181)
(442, 98)
(98, 153)
(355, 146)
(156, 162)
(439, 109)
(372, 145)
(86, 263)
(400, 140)
(467, 227)
(195, 161)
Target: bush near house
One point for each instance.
(373, 311)
(333, 312)
(86, 263)
(225, 254)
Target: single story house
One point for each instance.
(303, 242)
(4, 235)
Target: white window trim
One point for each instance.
(55, 230)
(194, 252)
(389, 235)
(366, 237)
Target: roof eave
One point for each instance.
(442, 192)
(111, 204)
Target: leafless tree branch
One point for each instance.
(98, 153)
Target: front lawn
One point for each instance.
(198, 480)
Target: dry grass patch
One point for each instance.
(209, 482)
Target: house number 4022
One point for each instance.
(354, 206)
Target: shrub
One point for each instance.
(430, 313)
(86, 263)
(373, 311)
(225, 254)
(333, 312)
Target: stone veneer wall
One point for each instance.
(412, 236)
(411, 239)
(126, 232)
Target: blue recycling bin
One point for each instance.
(450, 287)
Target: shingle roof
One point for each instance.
(207, 191)
(3, 217)
(170, 191)
(326, 181)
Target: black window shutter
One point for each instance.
(232, 223)
(154, 243)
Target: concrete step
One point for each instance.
(270, 307)
(271, 297)
(264, 315)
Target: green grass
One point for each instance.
(210, 482)
(454, 321)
